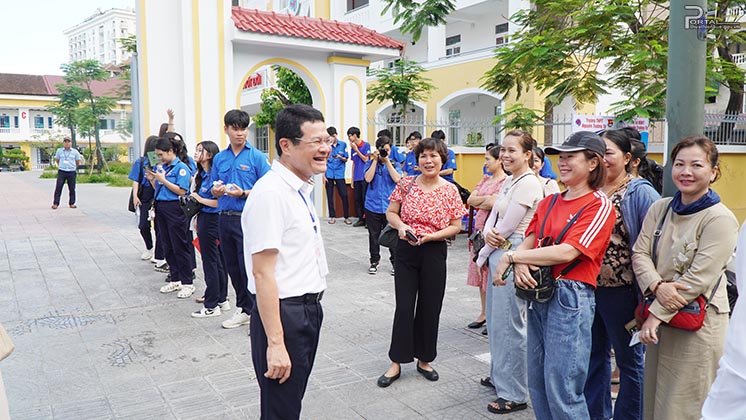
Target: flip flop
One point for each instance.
(332, 221)
(505, 406)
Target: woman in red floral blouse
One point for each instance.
(425, 216)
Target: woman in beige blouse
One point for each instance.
(696, 241)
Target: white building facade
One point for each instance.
(97, 36)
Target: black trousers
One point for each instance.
(212, 259)
(342, 189)
(63, 177)
(376, 222)
(144, 224)
(301, 324)
(419, 283)
(174, 233)
(361, 187)
(231, 243)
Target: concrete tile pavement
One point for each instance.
(95, 340)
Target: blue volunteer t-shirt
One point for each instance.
(358, 166)
(335, 167)
(68, 159)
(411, 166)
(450, 164)
(205, 191)
(243, 169)
(380, 188)
(137, 175)
(177, 173)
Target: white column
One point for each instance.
(24, 122)
(513, 7)
(436, 43)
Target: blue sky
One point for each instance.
(33, 42)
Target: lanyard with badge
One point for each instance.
(318, 243)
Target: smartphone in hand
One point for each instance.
(411, 236)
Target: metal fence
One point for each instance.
(723, 129)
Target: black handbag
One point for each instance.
(545, 282)
(389, 236)
(462, 192)
(189, 205)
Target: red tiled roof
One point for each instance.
(30, 84)
(105, 88)
(252, 20)
(22, 84)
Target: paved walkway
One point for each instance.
(95, 340)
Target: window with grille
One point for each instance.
(501, 34)
(262, 139)
(355, 4)
(453, 45)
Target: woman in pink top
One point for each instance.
(482, 198)
(425, 215)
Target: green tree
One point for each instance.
(291, 89)
(560, 45)
(401, 84)
(67, 109)
(83, 74)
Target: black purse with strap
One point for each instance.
(545, 282)
(389, 236)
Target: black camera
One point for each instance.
(382, 152)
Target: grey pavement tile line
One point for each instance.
(95, 339)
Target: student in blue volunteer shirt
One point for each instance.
(449, 167)
(143, 196)
(234, 172)
(382, 176)
(360, 152)
(410, 166)
(335, 177)
(216, 292)
(67, 160)
(396, 156)
(171, 180)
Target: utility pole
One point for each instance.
(685, 87)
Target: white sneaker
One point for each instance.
(186, 291)
(206, 312)
(171, 286)
(148, 254)
(154, 260)
(225, 306)
(239, 318)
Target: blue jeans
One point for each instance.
(506, 327)
(615, 307)
(559, 347)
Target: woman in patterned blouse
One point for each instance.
(425, 215)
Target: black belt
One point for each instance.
(230, 213)
(305, 299)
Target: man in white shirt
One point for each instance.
(286, 263)
(67, 160)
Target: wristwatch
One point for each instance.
(510, 256)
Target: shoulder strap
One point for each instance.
(657, 235)
(139, 176)
(546, 216)
(562, 235)
(401, 181)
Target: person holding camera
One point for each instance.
(335, 177)
(568, 234)
(382, 176)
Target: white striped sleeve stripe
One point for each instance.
(598, 220)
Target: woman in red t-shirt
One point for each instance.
(559, 330)
(425, 215)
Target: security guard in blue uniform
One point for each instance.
(171, 180)
(234, 172)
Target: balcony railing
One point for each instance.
(739, 59)
(7, 130)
